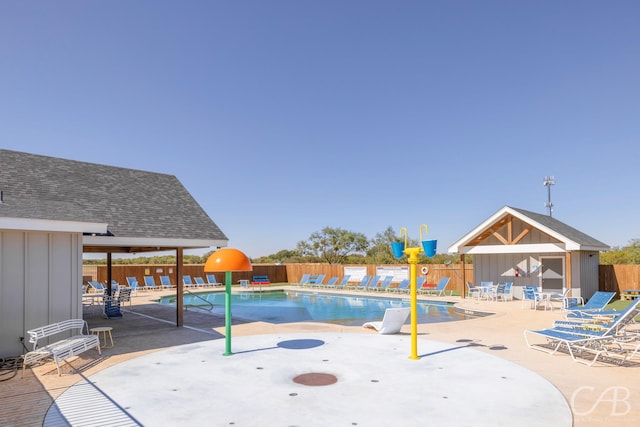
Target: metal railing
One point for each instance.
(207, 303)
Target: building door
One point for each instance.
(552, 277)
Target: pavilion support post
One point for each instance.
(464, 277)
(567, 262)
(179, 288)
(109, 275)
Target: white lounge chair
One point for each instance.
(392, 321)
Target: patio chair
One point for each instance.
(579, 340)
(596, 303)
(440, 289)
(112, 307)
(534, 297)
(473, 291)
(124, 295)
(150, 283)
(392, 321)
(505, 292)
(560, 297)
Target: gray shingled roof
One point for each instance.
(562, 228)
(134, 203)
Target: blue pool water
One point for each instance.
(298, 306)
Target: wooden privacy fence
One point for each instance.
(119, 273)
(290, 273)
(611, 277)
(614, 278)
(435, 272)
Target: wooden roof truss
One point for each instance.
(502, 230)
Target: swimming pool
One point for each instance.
(298, 306)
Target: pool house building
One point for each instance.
(54, 210)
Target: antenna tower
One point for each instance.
(548, 182)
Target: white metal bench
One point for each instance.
(63, 349)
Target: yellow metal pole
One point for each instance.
(413, 262)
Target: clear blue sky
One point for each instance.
(284, 117)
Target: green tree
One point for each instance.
(380, 248)
(333, 245)
(283, 256)
(626, 255)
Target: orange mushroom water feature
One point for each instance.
(227, 260)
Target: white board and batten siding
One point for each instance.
(40, 283)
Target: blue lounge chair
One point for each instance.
(199, 282)
(373, 284)
(362, 285)
(403, 286)
(344, 282)
(133, 284)
(98, 287)
(384, 285)
(440, 289)
(331, 283)
(150, 283)
(211, 280)
(165, 282)
(587, 338)
(596, 303)
(187, 282)
(304, 279)
(316, 282)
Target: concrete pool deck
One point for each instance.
(473, 372)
